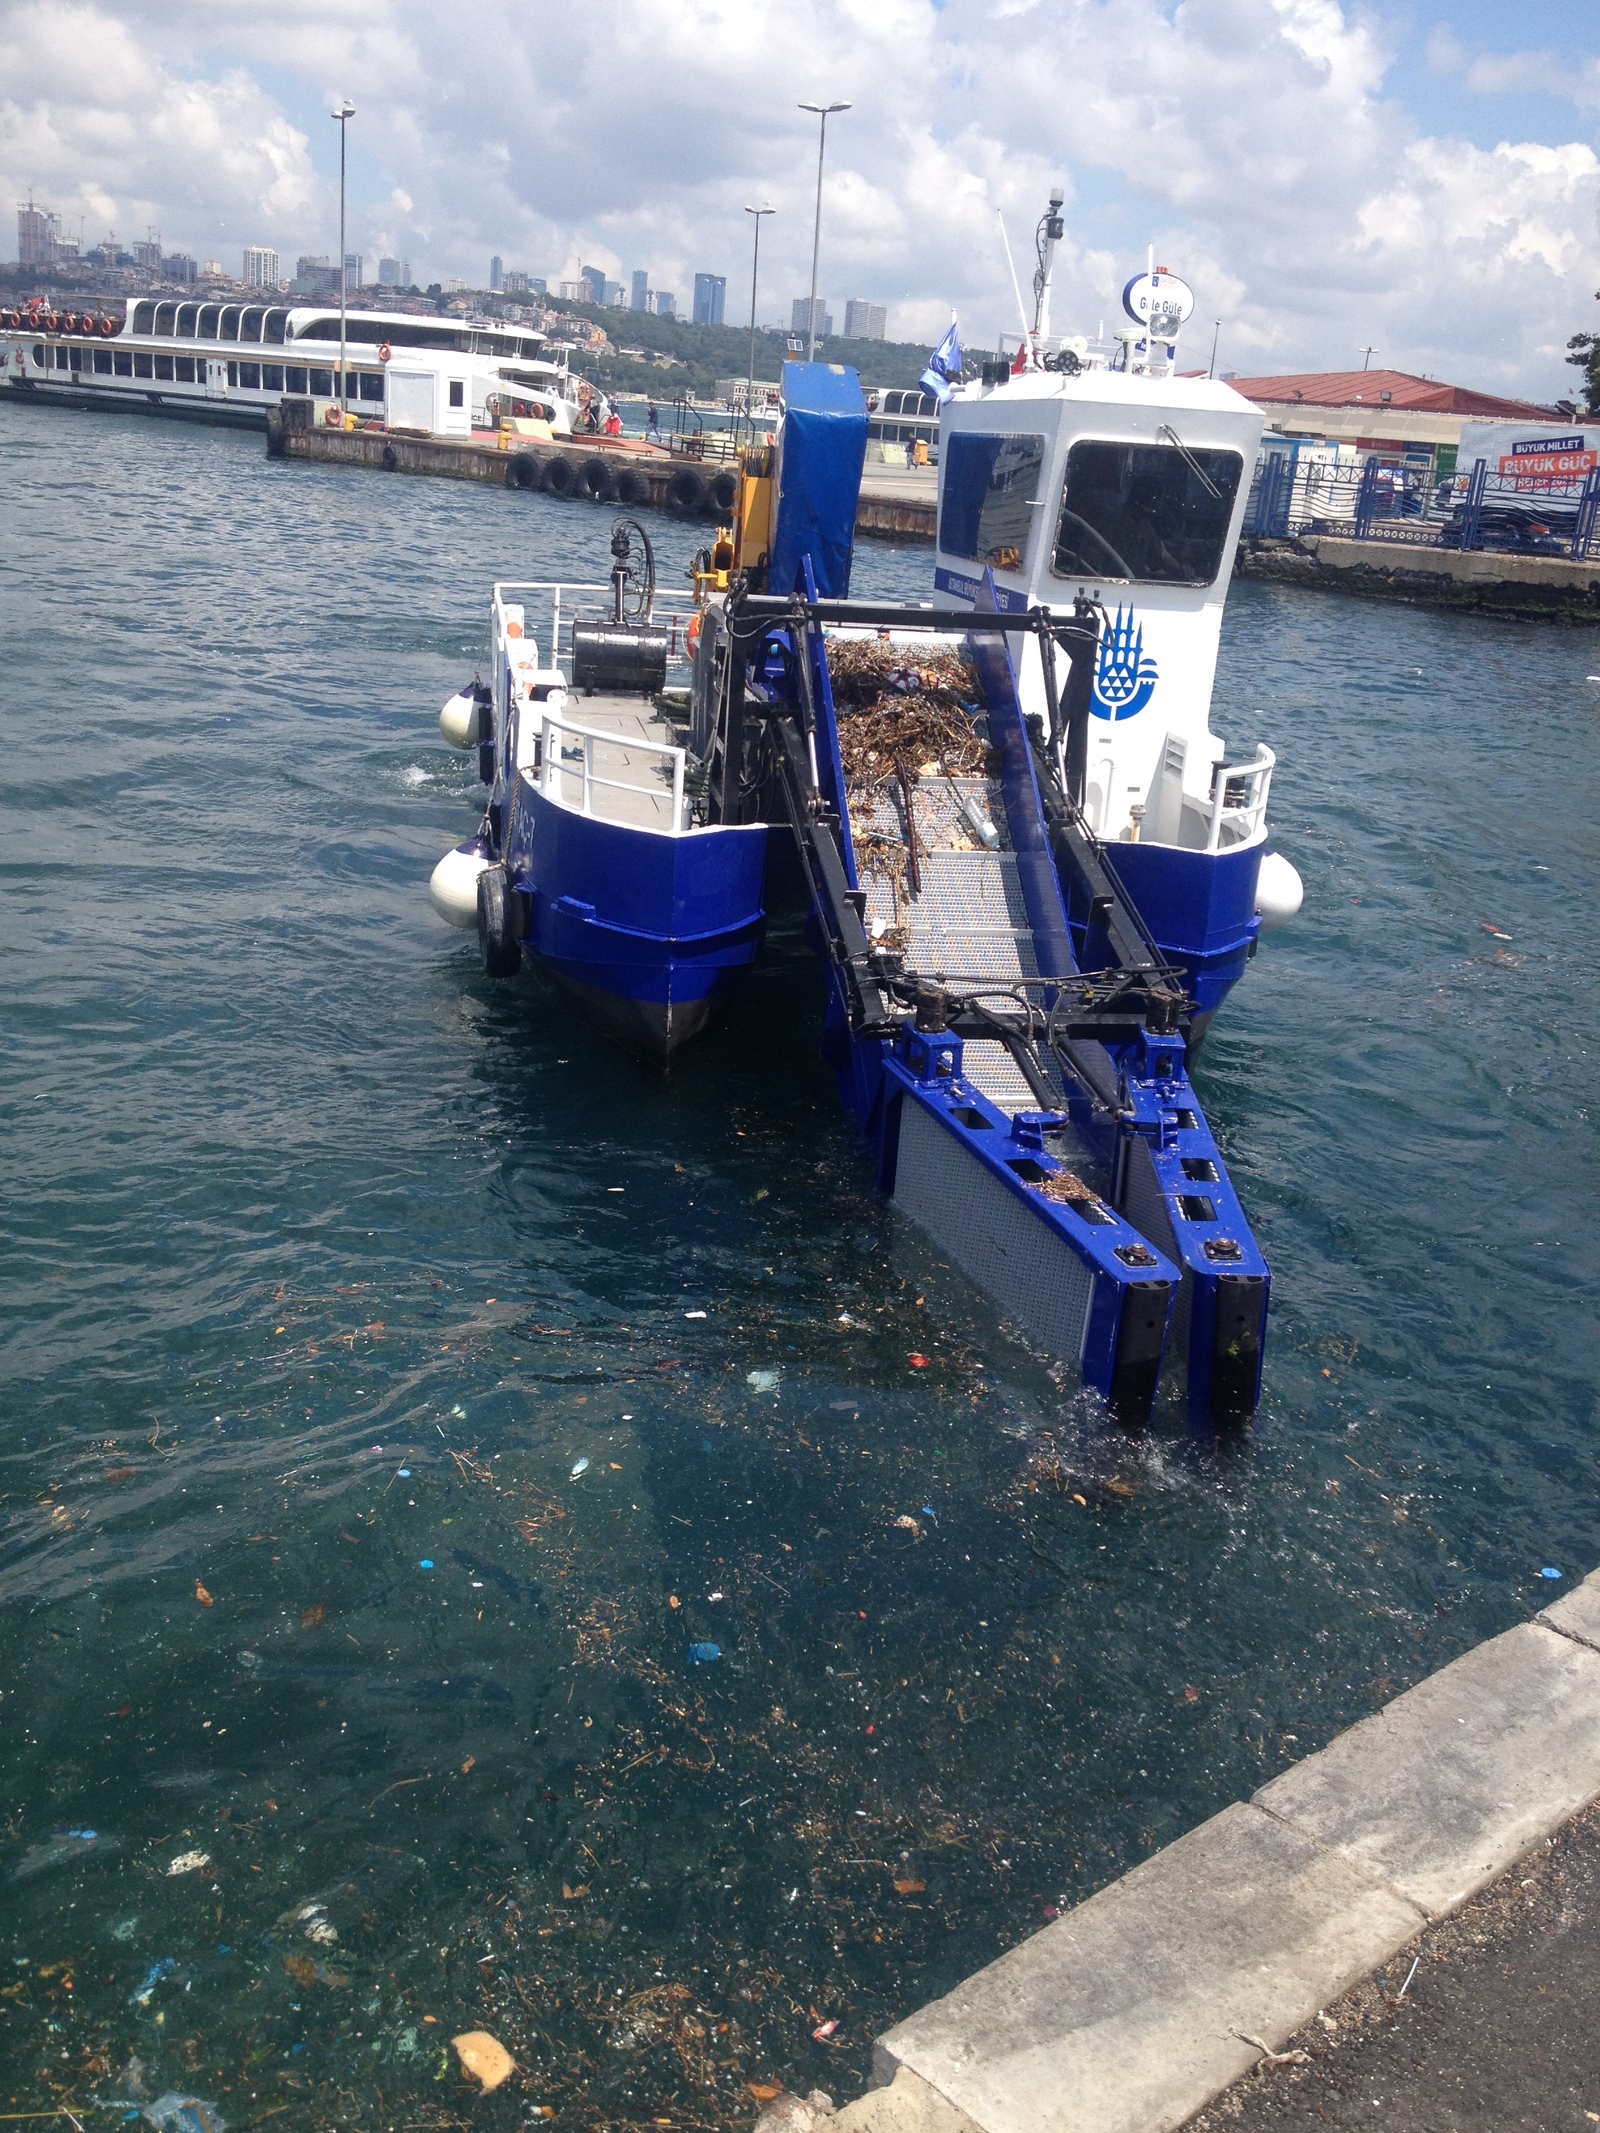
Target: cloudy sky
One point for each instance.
(1419, 177)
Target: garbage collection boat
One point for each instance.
(1027, 907)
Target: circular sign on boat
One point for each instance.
(1160, 300)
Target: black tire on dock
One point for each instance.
(390, 459)
(559, 475)
(598, 481)
(498, 945)
(686, 493)
(523, 472)
(632, 488)
(725, 490)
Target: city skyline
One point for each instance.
(1325, 179)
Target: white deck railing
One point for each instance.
(584, 603)
(556, 763)
(1247, 814)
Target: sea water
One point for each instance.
(479, 1552)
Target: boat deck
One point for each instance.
(630, 778)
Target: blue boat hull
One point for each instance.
(647, 930)
(1200, 908)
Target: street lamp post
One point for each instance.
(824, 112)
(755, 267)
(342, 111)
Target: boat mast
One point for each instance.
(1050, 233)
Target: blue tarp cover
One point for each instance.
(824, 447)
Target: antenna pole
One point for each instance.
(1211, 367)
(1022, 309)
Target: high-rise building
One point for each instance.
(800, 317)
(710, 291)
(614, 294)
(147, 252)
(666, 304)
(37, 233)
(352, 270)
(641, 290)
(178, 266)
(596, 279)
(496, 275)
(260, 266)
(314, 277)
(865, 322)
(393, 273)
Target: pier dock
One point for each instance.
(899, 503)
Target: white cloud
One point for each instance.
(1254, 141)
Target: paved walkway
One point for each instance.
(1497, 2032)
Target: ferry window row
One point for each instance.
(1148, 514)
(191, 370)
(209, 322)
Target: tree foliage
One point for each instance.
(1583, 351)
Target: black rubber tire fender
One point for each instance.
(497, 944)
(559, 475)
(632, 488)
(725, 491)
(523, 472)
(391, 460)
(686, 493)
(598, 481)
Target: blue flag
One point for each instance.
(943, 365)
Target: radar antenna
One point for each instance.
(1049, 234)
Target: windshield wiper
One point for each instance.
(1189, 460)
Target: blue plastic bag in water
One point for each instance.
(703, 1654)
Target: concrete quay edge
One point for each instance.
(1138, 2007)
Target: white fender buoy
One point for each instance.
(1279, 892)
(453, 885)
(458, 721)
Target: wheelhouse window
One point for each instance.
(163, 366)
(250, 325)
(228, 330)
(370, 384)
(185, 369)
(250, 376)
(272, 377)
(163, 319)
(102, 362)
(322, 384)
(143, 367)
(1153, 514)
(990, 487)
(184, 329)
(123, 358)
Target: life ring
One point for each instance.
(52, 321)
(385, 352)
(332, 417)
(108, 325)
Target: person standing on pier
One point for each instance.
(652, 422)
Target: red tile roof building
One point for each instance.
(1396, 390)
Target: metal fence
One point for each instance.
(1471, 509)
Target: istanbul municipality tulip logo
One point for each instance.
(1124, 674)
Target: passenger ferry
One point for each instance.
(232, 362)
(906, 416)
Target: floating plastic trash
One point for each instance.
(703, 1654)
(173, 2113)
(579, 1466)
(1549, 1573)
(403, 1473)
(426, 1563)
(694, 1314)
(762, 1380)
(189, 1863)
(930, 1514)
(152, 1979)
